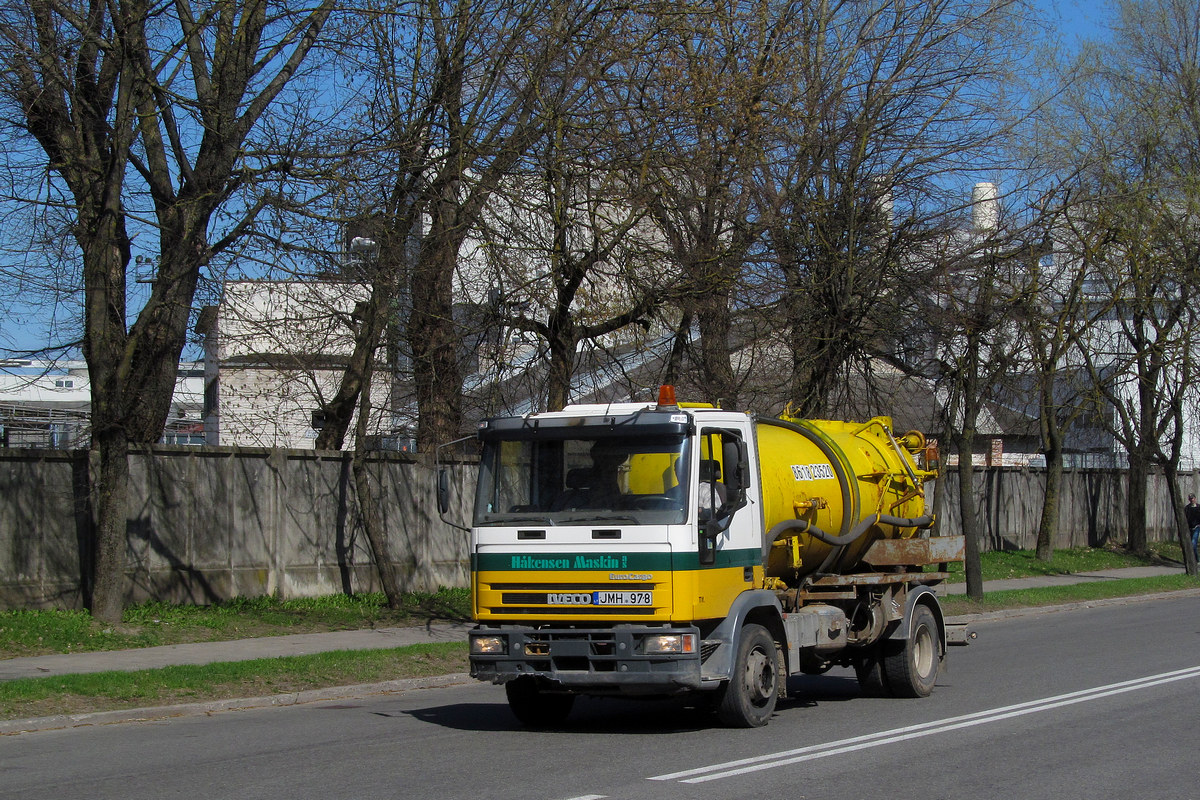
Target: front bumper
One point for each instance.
(591, 660)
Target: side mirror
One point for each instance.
(736, 458)
(443, 491)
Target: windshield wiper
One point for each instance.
(601, 516)
(519, 518)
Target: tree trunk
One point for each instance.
(1048, 525)
(968, 518)
(368, 338)
(106, 253)
(111, 491)
(368, 503)
(563, 343)
(1136, 506)
(818, 359)
(1182, 532)
(680, 343)
(376, 530)
(433, 339)
(720, 384)
(1052, 445)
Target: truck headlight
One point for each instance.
(670, 643)
(488, 646)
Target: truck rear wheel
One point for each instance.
(534, 706)
(911, 668)
(748, 699)
(868, 668)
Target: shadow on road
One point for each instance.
(812, 689)
(616, 715)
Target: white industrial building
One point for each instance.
(47, 404)
(274, 354)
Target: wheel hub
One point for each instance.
(760, 676)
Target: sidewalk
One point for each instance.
(381, 638)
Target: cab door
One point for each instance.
(729, 547)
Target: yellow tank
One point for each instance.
(830, 489)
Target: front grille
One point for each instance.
(528, 598)
(591, 611)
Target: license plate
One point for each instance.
(616, 598)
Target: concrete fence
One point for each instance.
(1092, 508)
(207, 524)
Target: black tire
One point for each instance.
(535, 707)
(813, 665)
(748, 699)
(911, 668)
(868, 668)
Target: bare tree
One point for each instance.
(707, 103)
(506, 65)
(1142, 360)
(883, 102)
(1134, 138)
(978, 290)
(1061, 310)
(450, 97)
(131, 102)
(454, 96)
(572, 257)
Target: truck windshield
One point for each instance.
(579, 481)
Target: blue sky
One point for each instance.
(1077, 18)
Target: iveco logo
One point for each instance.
(569, 599)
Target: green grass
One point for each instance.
(1002, 565)
(73, 694)
(30, 633)
(1073, 593)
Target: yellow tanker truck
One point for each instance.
(660, 548)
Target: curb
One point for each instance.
(207, 708)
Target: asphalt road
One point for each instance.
(1091, 703)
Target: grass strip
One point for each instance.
(1071, 593)
(999, 565)
(103, 691)
(43, 631)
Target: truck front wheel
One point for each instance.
(748, 699)
(910, 668)
(534, 706)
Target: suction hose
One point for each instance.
(804, 526)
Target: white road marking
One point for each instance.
(731, 769)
